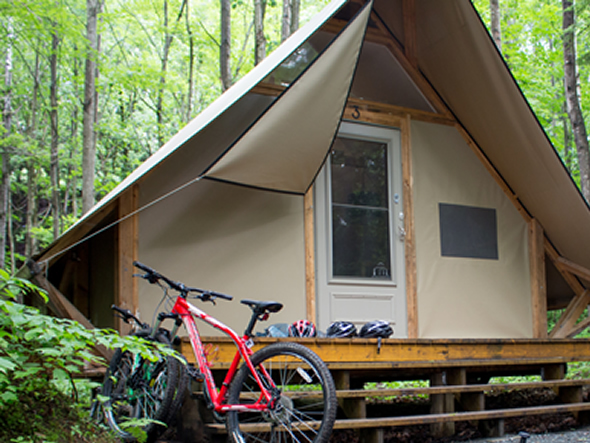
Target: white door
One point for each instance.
(360, 230)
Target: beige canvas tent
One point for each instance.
(381, 164)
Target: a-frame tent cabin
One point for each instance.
(442, 206)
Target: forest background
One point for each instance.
(92, 88)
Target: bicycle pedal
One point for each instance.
(195, 374)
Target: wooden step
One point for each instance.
(358, 423)
(362, 423)
(428, 390)
(455, 389)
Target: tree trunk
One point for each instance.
(89, 119)
(163, 69)
(191, 65)
(30, 217)
(567, 140)
(53, 116)
(574, 110)
(225, 47)
(286, 21)
(7, 116)
(496, 29)
(30, 244)
(260, 39)
(295, 6)
(11, 266)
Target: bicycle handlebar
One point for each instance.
(152, 276)
(126, 315)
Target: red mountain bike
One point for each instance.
(283, 392)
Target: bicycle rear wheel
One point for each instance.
(138, 389)
(305, 407)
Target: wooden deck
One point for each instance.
(458, 372)
(398, 355)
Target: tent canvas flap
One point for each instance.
(287, 145)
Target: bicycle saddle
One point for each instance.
(263, 306)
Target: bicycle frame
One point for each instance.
(188, 312)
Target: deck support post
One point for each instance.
(372, 435)
(554, 372)
(356, 408)
(492, 428)
(352, 407)
(574, 394)
(440, 404)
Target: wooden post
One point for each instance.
(310, 302)
(127, 244)
(554, 372)
(410, 240)
(409, 13)
(440, 404)
(538, 279)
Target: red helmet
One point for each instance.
(302, 328)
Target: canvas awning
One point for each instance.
(282, 150)
(286, 147)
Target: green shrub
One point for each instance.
(42, 397)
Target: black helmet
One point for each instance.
(341, 329)
(374, 329)
(302, 328)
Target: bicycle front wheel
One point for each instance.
(140, 392)
(304, 397)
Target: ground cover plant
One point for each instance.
(42, 397)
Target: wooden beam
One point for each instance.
(63, 307)
(370, 111)
(584, 324)
(310, 296)
(566, 325)
(570, 279)
(574, 268)
(494, 173)
(346, 392)
(409, 15)
(127, 244)
(410, 240)
(409, 420)
(400, 354)
(572, 313)
(360, 108)
(538, 279)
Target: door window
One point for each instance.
(359, 182)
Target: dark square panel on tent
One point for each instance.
(467, 231)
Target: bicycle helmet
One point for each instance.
(302, 328)
(341, 329)
(376, 329)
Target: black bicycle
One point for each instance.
(140, 393)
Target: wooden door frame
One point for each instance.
(353, 114)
